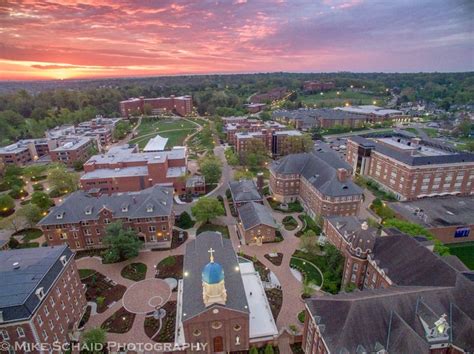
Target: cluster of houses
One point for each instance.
(66, 144)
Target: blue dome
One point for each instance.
(212, 273)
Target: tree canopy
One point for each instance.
(211, 169)
(122, 244)
(207, 208)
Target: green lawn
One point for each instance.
(310, 272)
(465, 252)
(431, 132)
(332, 99)
(175, 138)
(151, 125)
(84, 273)
(309, 224)
(31, 234)
(134, 271)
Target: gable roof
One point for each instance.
(407, 262)
(195, 259)
(81, 206)
(23, 271)
(319, 168)
(244, 190)
(253, 214)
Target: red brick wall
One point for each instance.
(266, 232)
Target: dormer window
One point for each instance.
(124, 208)
(149, 208)
(40, 293)
(63, 260)
(60, 216)
(88, 210)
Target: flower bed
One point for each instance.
(120, 322)
(170, 267)
(166, 334)
(134, 271)
(259, 267)
(294, 207)
(289, 223)
(275, 299)
(275, 260)
(101, 291)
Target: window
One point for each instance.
(40, 293)
(151, 228)
(63, 260)
(196, 333)
(51, 301)
(5, 335)
(237, 340)
(56, 315)
(51, 324)
(46, 311)
(106, 221)
(237, 327)
(58, 291)
(63, 236)
(45, 335)
(39, 320)
(20, 332)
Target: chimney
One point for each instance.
(260, 182)
(341, 174)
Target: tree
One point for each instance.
(308, 242)
(61, 180)
(78, 165)
(122, 243)
(265, 116)
(211, 169)
(243, 174)
(122, 129)
(253, 350)
(6, 203)
(94, 339)
(42, 200)
(269, 349)
(185, 221)
(13, 243)
(231, 157)
(31, 213)
(206, 209)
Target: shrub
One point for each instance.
(185, 221)
(38, 187)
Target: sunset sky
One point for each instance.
(61, 39)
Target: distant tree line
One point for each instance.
(27, 109)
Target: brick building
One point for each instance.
(256, 224)
(181, 105)
(42, 299)
(24, 151)
(375, 261)
(74, 149)
(231, 128)
(82, 218)
(222, 302)
(450, 219)
(318, 86)
(276, 93)
(410, 167)
(403, 319)
(320, 180)
(124, 169)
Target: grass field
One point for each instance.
(465, 252)
(311, 273)
(332, 99)
(176, 130)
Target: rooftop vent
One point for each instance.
(16, 265)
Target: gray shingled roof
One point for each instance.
(37, 267)
(390, 317)
(351, 229)
(195, 258)
(408, 262)
(75, 208)
(244, 190)
(253, 214)
(319, 168)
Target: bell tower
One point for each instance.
(213, 283)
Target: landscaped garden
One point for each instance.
(102, 290)
(120, 322)
(310, 271)
(165, 325)
(134, 271)
(308, 224)
(294, 207)
(170, 267)
(331, 264)
(289, 223)
(213, 227)
(464, 251)
(275, 299)
(275, 258)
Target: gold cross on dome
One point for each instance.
(211, 251)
